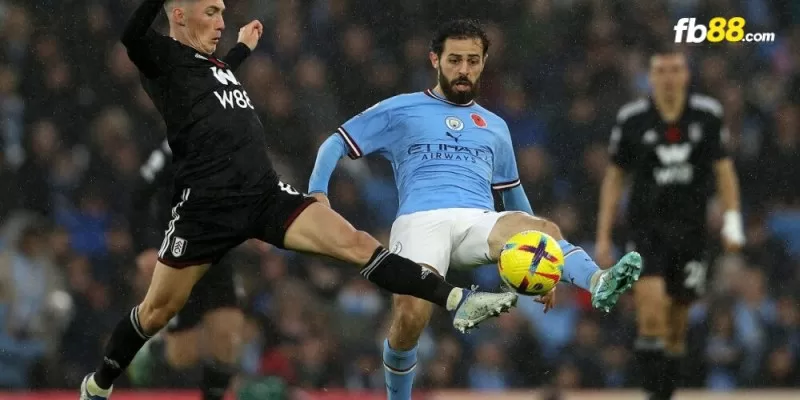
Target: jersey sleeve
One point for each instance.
(619, 149)
(717, 138)
(237, 55)
(368, 132)
(714, 131)
(147, 49)
(505, 174)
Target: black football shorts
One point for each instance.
(204, 228)
(680, 256)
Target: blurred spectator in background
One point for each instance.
(33, 304)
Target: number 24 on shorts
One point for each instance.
(695, 272)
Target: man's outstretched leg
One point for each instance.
(167, 294)
(579, 269)
(320, 230)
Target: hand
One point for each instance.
(549, 300)
(733, 237)
(250, 33)
(602, 253)
(322, 198)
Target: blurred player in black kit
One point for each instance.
(207, 330)
(226, 191)
(672, 145)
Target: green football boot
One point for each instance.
(615, 281)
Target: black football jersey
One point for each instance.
(671, 164)
(218, 142)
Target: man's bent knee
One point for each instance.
(409, 318)
(168, 292)
(513, 223)
(223, 333)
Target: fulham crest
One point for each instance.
(178, 246)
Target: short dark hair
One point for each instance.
(459, 29)
(169, 3)
(662, 49)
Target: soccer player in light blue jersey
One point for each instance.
(448, 155)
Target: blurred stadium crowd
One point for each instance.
(75, 126)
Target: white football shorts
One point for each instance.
(442, 238)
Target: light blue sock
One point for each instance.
(399, 368)
(578, 266)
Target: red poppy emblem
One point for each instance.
(478, 120)
(673, 134)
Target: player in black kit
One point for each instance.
(672, 145)
(208, 329)
(226, 190)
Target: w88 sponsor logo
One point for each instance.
(230, 98)
(234, 98)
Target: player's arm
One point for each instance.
(727, 188)
(728, 191)
(611, 192)
(330, 152)
(237, 55)
(366, 133)
(505, 178)
(141, 40)
(248, 40)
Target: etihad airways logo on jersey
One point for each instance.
(232, 98)
(676, 167)
(453, 152)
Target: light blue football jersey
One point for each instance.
(444, 155)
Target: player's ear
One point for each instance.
(434, 59)
(179, 16)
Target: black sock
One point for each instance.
(402, 276)
(126, 340)
(650, 357)
(216, 377)
(672, 375)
